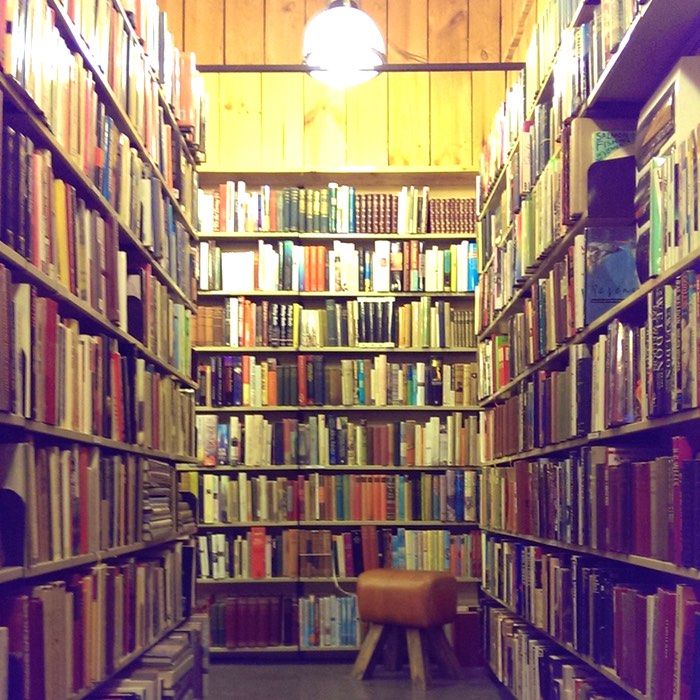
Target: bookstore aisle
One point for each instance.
(333, 680)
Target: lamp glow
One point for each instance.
(343, 46)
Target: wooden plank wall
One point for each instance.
(279, 121)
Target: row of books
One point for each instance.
(580, 55)
(587, 497)
(274, 621)
(387, 266)
(605, 612)
(530, 217)
(223, 498)
(666, 196)
(235, 208)
(597, 272)
(176, 666)
(425, 323)
(631, 372)
(333, 440)
(532, 666)
(323, 554)
(64, 86)
(163, 411)
(68, 634)
(56, 231)
(56, 374)
(65, 501)
(247, 380)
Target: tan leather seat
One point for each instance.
(407, 598)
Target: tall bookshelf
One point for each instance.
(100, 146)
(587, 506)
(336, 489)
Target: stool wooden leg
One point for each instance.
(367, 657)
(444, 653)
(417, 640)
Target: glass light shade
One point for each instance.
(343, 46)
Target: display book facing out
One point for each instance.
(96, 297)
(588, 485)
(336, 410)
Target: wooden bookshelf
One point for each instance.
(75, 153)
(603, 670)
(664, 567)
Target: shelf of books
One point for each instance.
(587, 324)
(336, 412)
(101, 121)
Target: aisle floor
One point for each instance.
(290, 681)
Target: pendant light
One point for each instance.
(343, 46)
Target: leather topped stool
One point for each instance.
(419, 602)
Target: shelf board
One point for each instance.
(32, 426)
(336, 523)
(602, 670)
(228, 468)
(256, 236)
(335, 295)
(358, 349)
(656, 18)
(212, 349)
(370, 176)
(245, 651)
(300, 579)
(50, 567)
(124, 663)
(231, 581)
(657, 423)
(334, 409)
(664, 567)
(11, 573)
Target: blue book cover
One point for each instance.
(611, 272)
(459, 495)
(222, 443)
(472, 266)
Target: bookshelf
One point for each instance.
(346, 487)
(100, 147)
(578, 550)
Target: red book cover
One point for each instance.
(231, 622)
(257, 552)
(347, 553)
(50, 361)
(370, 547)
(262, 626)
(274, 225)
(244, 622)
(664, 644)
(681, 453)
(222, 206)
(641, 509)
(117, 394)
(275, 629)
